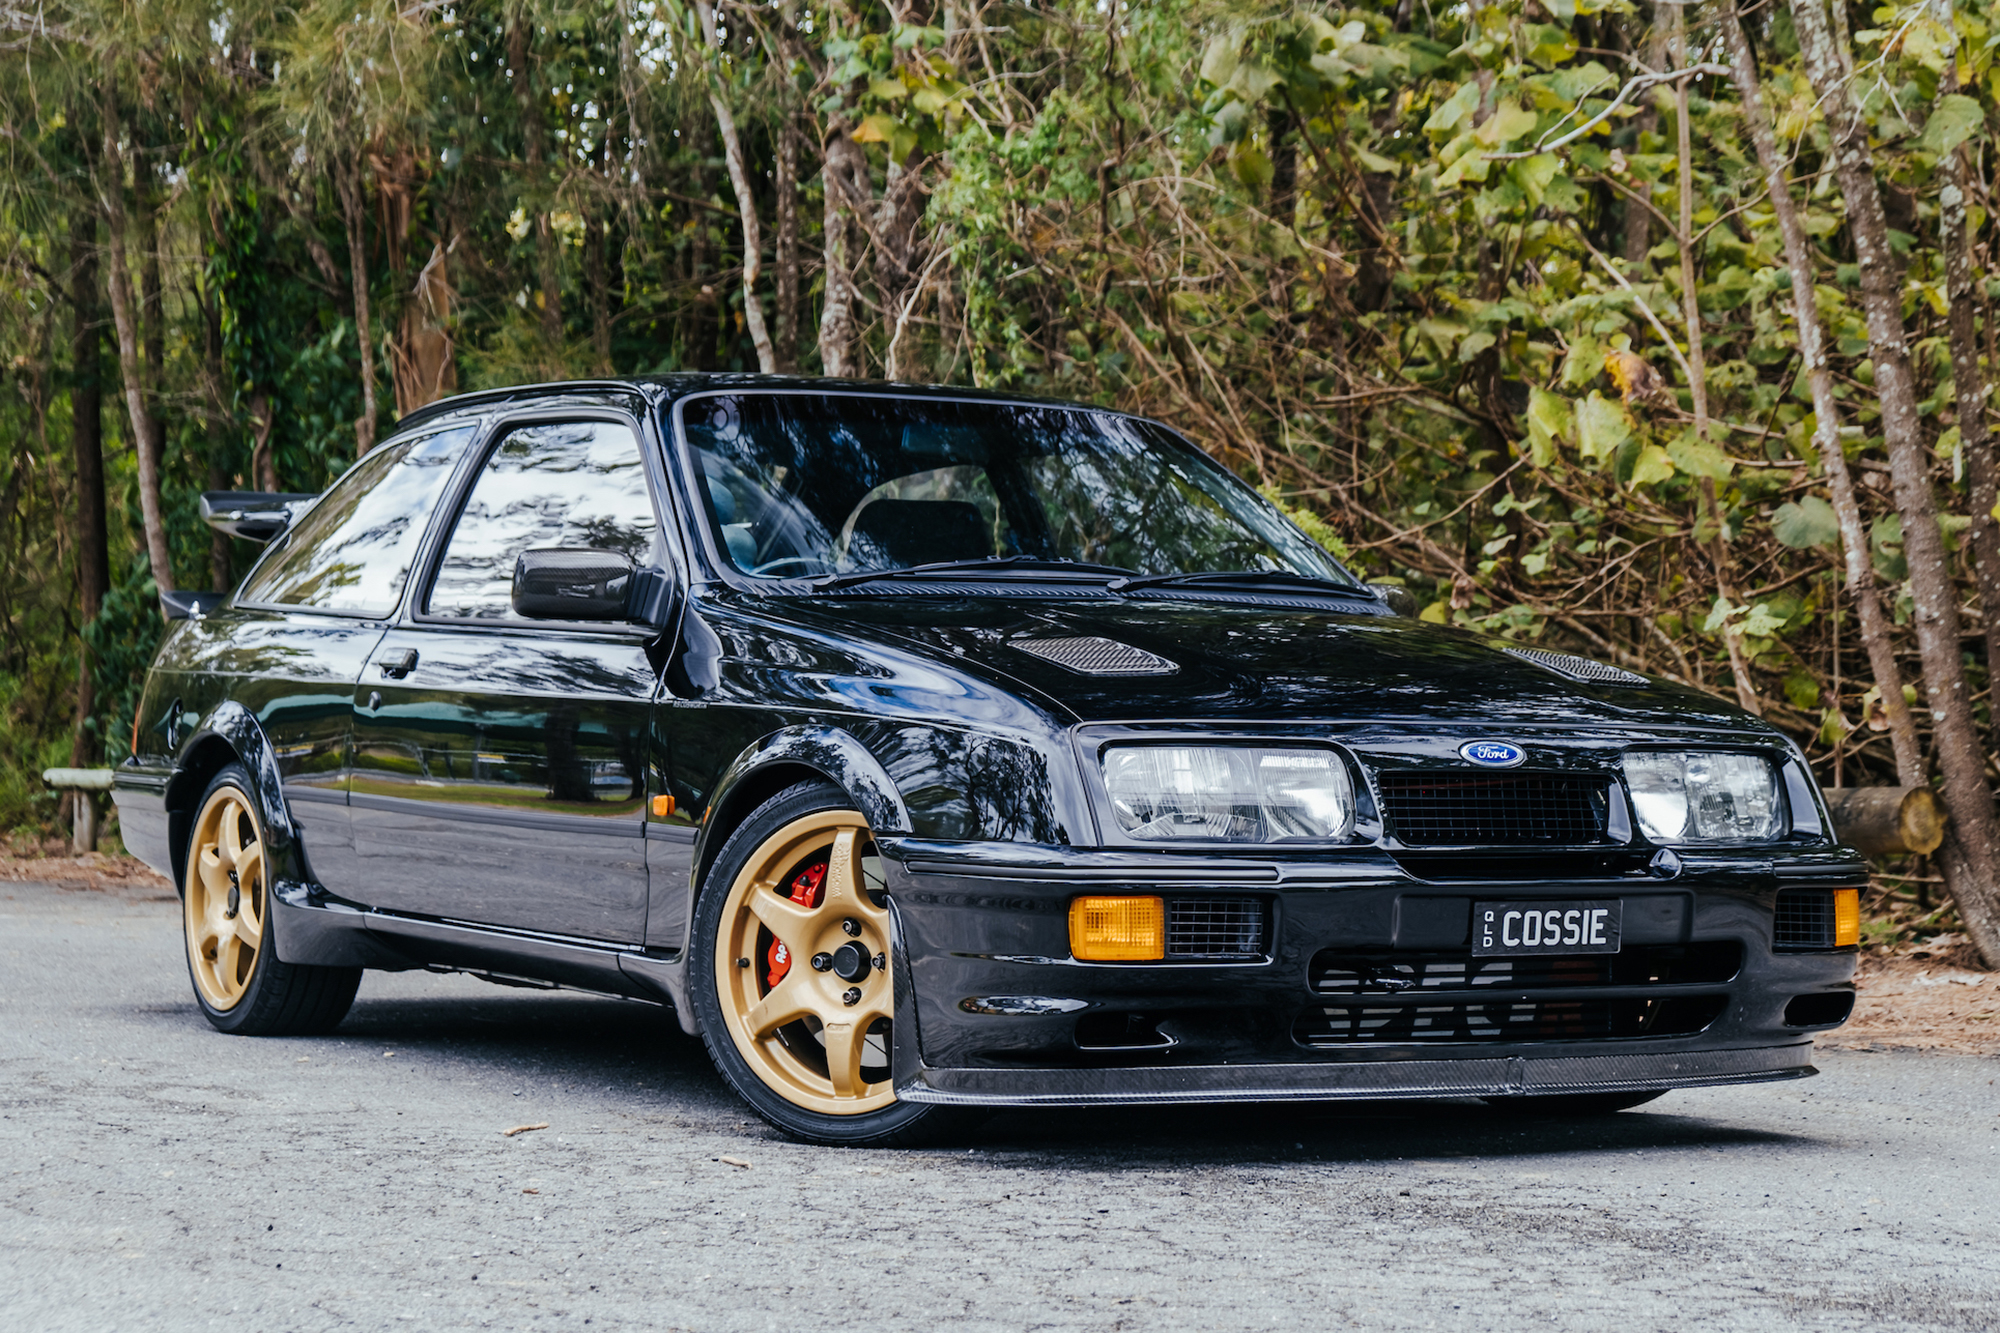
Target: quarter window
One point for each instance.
(352, 551)
(571, 483)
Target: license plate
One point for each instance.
(1578, 926)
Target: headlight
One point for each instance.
(1699, 796)
(1228, 793)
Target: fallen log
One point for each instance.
(1887, 821)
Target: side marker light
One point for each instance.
(663, 807)
(1846, 917)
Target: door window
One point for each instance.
(571, 483)
(352, 551)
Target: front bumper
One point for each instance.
(1004, 1016)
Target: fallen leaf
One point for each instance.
(522, 1129)
(734, 1161)
(1636, 380)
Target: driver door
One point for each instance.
(499, 762)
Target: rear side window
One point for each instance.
(353, 550)
(568, 483)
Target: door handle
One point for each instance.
(395, 668)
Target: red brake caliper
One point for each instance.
(805, 892)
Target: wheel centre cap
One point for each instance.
(850, 962)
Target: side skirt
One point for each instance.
(313, 930)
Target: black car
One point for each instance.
(931, 749)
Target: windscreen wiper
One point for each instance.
(1023, 564)
(1250, 578)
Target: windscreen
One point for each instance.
(804, 485)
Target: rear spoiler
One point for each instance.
(256, 516)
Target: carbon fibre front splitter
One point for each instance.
(1504, 1076)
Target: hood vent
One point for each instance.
(1090, 655)
(1578, 668)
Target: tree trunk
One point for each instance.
(351, 205)
(1718, 540)
(221, 418)
(263, 468)
(1972, 848)
(897, 232)
(843, 161)
(1887, 821)
(1638, 219)
(1968, 379)
(746, 203)
(1876, 638)
(86, 404)
(533, 134)
(596, 279)
(785, 337)
(125, 318)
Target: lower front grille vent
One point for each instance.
(1497, 810)
(1499, 1020)
(1457, 969)
(1215, 928)
(1706, 963)
(1447, 995)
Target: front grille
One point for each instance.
(1215, 928)
(1506, 810)
(1339, 973)
(1805, 920)
(1526, 1020)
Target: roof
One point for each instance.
(667, 388)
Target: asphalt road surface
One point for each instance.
(157, 1175)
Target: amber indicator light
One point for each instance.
(663, 807)
(1846, 917)
(1117, 930)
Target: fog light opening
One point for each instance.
(1120, 1032)
(1823, 1010)
(1105, 929)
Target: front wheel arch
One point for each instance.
(783, 759)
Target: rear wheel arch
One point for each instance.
(203, 760)
(230, 734)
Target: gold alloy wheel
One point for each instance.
(225, 899)
(801, 964)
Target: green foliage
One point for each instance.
(1421, 282)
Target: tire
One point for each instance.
(801, 863)
(1575, 1103)
(240, 983)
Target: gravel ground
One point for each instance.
(160, 1176)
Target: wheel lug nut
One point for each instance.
(852, 995)
(822, 962)
(851, 926)
(881, 962)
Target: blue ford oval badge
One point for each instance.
(1491, 754)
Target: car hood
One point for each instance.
(1254, 662)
